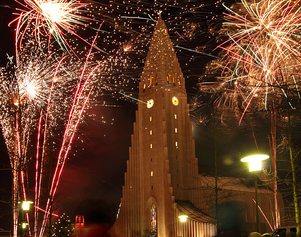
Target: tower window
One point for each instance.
(150, 79)
(150, 132)
(152, 173)
(150, 146)
(150, 118)
(176, 130)
(176, 143)
(175, 116)
(173, 78)
(151, 159)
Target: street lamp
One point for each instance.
(25, 205)
(255, 165)
(183, 218)
(25, 208)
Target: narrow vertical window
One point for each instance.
(150, 118)
(150, 79)
(176, 130)
(152, 173)
(150, 132)
(176, 143)
(150, 146)
(175, 116)
(153, 217)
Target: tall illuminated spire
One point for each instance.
(161, 66)
(162, 169)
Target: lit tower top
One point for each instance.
(161, 67)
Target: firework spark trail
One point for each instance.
(263, 42)
(40, 209)
(80, 101)
(64, 151)
(16, 135)
(276, 31)
(37, 192)
(22, 114)
(125, 21)
(13, 161)
(121, 67)
(49, 104)
(51, 18)
(39, 169)
(260, 59)
(60, 166)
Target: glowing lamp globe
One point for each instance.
(254, 161)
(183, 218)
(25, 205)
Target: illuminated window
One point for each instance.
(151, 146)
(150, 132)
(152, 173)
(176, 143)
(150, 79)
(176, 130)
(150, 118)
(153, 216)
(175, 116)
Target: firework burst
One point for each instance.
(54, 19)
(46, 94)
(43, 102)
(261, 57)
(130, 27)
(259, 63)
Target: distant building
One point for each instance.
(162, 181)
(237, 206)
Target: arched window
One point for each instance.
(153, 215)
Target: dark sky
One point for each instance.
(7, 33)
(95, 174)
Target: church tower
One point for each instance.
(161, 179)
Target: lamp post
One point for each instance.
(25, 208)
(26, 205)
(254, 166)
(183, 219)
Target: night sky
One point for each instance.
(95, 171)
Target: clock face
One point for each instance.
(150, 103)
(175, 101)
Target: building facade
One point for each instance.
(162, 181)
(161, 178)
